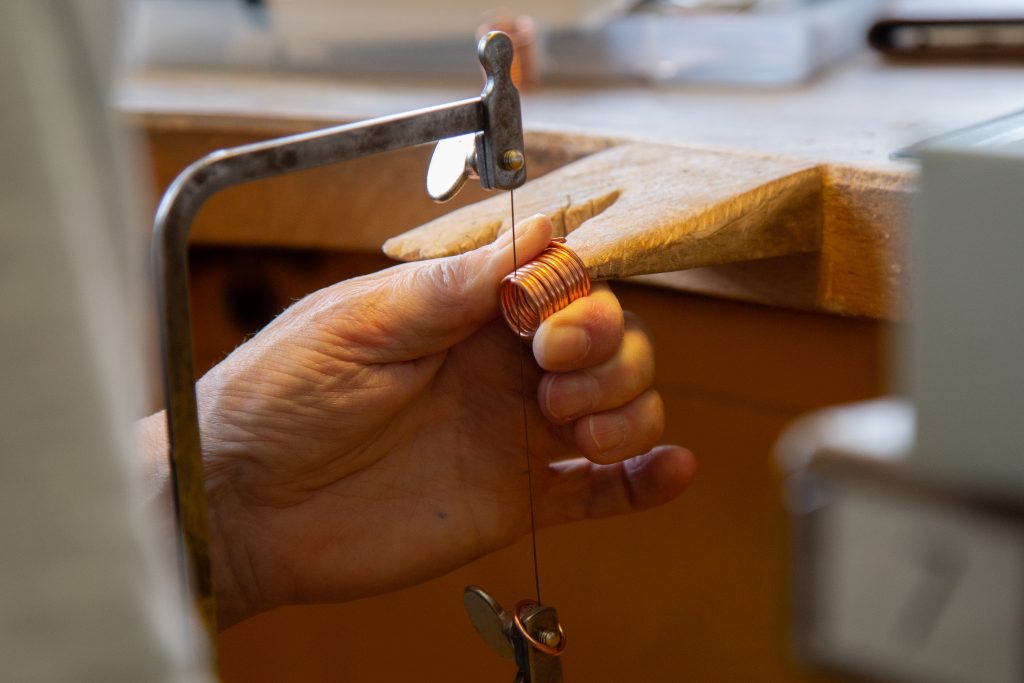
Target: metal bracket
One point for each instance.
(494, 117)
(531, 635)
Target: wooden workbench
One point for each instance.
(695, 590)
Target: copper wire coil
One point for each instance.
(543, 286)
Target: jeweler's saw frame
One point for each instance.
(488, 143)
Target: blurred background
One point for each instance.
(773, 42)
(858, 509)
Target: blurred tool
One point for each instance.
(951, 31)
(909, 514)
(766, 43)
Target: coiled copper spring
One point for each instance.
(543, 286)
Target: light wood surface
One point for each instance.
(657, 209)
(641, 209)
(858, 270)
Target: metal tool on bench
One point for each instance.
(488, 143)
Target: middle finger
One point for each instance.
(564, 397)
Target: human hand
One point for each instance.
(371, 437)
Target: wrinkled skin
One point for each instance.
(371, 437)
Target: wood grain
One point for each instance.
(639, 209)
(858, 269)
(660, 211)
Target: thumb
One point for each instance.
(438, 303)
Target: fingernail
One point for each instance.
(523, 229)
(568, 343)
(504, 240)
(570, 395)
(526, 227)
(608, 431)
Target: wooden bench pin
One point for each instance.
(636, 209)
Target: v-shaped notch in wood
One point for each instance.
(637, 209)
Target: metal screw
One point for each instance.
(549, 638)
(512, 160)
